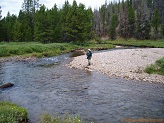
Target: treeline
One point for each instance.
(140, 19)
(71, 23)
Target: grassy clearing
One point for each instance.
(64, 119)
(157, 68)
(12, 113)
(44, 50)
(138, 43)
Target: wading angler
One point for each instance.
(89, 56)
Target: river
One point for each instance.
(48, 86)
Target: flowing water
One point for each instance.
(48, 86)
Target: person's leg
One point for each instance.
(89, 61)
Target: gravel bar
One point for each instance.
(125, 63)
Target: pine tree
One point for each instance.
(1, 28)
(159, 4)
(43, 28)
(8, 26)
(131, 19)
(103, 11)
(65, 20)
(112, 29)
(123, 21)
(29, 8)
(156, 23)
(147, 30)
(162, 30)
(54, 16)
(26, 28)
(0, 13)
(72, 33)
(76, 23)
(17, 34)
(97, 24)
(143, 21)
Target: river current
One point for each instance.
(47, 85)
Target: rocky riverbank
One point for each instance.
(125, 63)
(17, 58)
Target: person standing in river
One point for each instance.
(89, 56)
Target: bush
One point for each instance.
(64, 119)
(12, 113)
(158, 67)
(160, 62)
(150, 69)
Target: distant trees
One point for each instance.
(0, 13)
(136, 19)
(28, 16)
(159, 4)
(1, 28)
(76, 22)
(143, 21)
(42, 29)
(123, 21)
(112, 28)
(140, 19)
(156, 22)
(131, 19)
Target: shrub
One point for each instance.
(12, 113)
(160, 62)
(150, 69)
(158, 67)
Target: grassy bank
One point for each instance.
(52, 49)
(34, 49)
(44, 50)
(12, 113)
(138, 43)
(157, 68)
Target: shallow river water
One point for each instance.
(48, 86)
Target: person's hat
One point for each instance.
(89, 49)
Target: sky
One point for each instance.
(14, 6)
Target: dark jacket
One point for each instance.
(89, 55)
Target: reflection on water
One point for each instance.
(47, 86)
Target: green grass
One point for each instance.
(157, 68)
(138, 43)
(12, 113)
(64, 119)
(44, 50)
(53, 49)
(34, 49)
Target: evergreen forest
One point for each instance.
(139, 19)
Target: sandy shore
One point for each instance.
(125, 63)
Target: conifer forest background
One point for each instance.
(139, 19)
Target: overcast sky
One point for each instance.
(14, 6)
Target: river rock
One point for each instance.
(7, 85)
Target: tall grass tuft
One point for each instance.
(46, 118)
